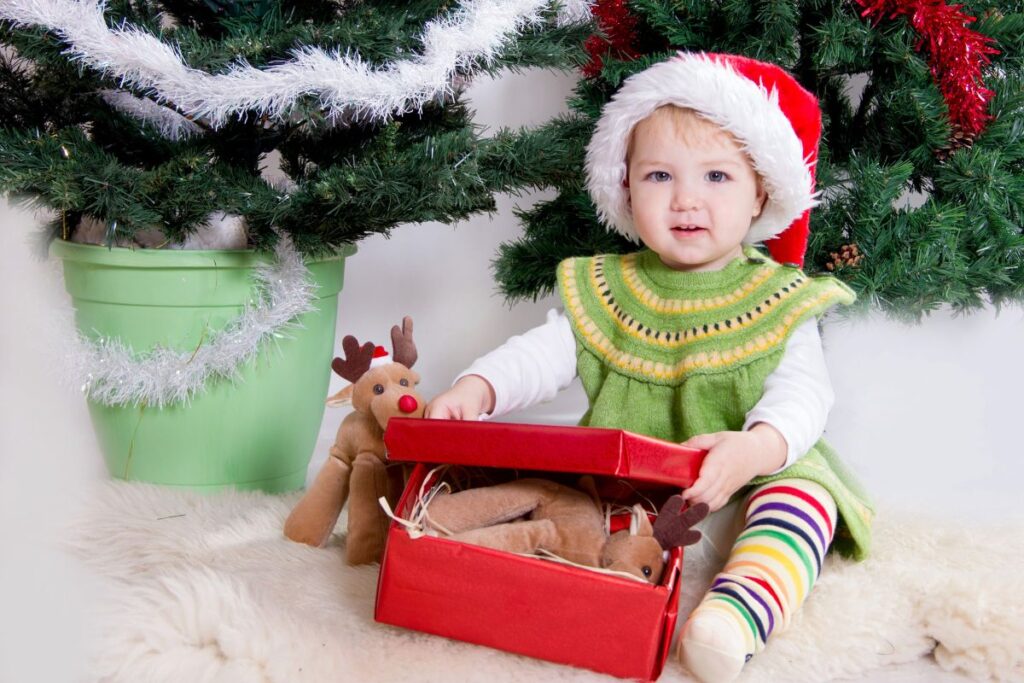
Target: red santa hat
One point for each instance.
(380, 357)
(776, 121)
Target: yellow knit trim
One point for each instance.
(667, 338)
(596, 339)
(651, 300)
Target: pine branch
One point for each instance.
(549, 156)
(557, 229)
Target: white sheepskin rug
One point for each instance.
(206, 588)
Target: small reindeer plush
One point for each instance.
(355, 470)
(564, 521)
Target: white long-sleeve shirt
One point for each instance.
(534, 366)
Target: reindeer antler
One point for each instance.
(673, 526)
(404, 349)
(357, 359)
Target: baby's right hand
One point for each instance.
(467, 400)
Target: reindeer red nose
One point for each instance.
(407, 404)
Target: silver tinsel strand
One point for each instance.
(112, 374)
(170, 123)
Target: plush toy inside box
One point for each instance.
(527, 605)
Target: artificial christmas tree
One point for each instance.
(158, 114)
(301, 126)
(921, 161)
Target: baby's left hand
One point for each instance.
(733, 459)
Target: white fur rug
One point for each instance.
(205, 588)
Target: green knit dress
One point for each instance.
(674, 354)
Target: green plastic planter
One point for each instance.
(257, 432)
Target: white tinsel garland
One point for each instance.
(345, 84)
(112, 374)
(168, 122)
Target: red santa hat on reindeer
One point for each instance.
(775, 121)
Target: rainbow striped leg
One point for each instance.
(771, 569)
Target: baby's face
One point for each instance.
(692, 202)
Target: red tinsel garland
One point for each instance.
(957, 55)
(616, 22)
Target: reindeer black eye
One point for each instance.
(378, 388)
(404, 382)
(646, 571)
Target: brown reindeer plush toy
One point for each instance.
(566, 522)
(355, 470)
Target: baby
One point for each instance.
(699, 338)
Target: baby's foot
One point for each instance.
(713, 647)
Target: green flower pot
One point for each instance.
(256, 432)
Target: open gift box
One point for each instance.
(528, 605)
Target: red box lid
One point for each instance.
(579, 450)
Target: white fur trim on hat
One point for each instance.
(717, 92)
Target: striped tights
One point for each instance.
(771, 569)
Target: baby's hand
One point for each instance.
(733, 459)
(467, 400)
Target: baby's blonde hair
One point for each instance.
(687, 125)
(691, 128)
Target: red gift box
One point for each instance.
(522, 604)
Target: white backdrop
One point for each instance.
(926, 415)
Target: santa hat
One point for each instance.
(380, 357)
(774, 119)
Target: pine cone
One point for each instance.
(848, 256)
(958, 140)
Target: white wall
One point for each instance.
(927, 415)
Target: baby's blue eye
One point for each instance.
(659, 176)
(717, 176)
